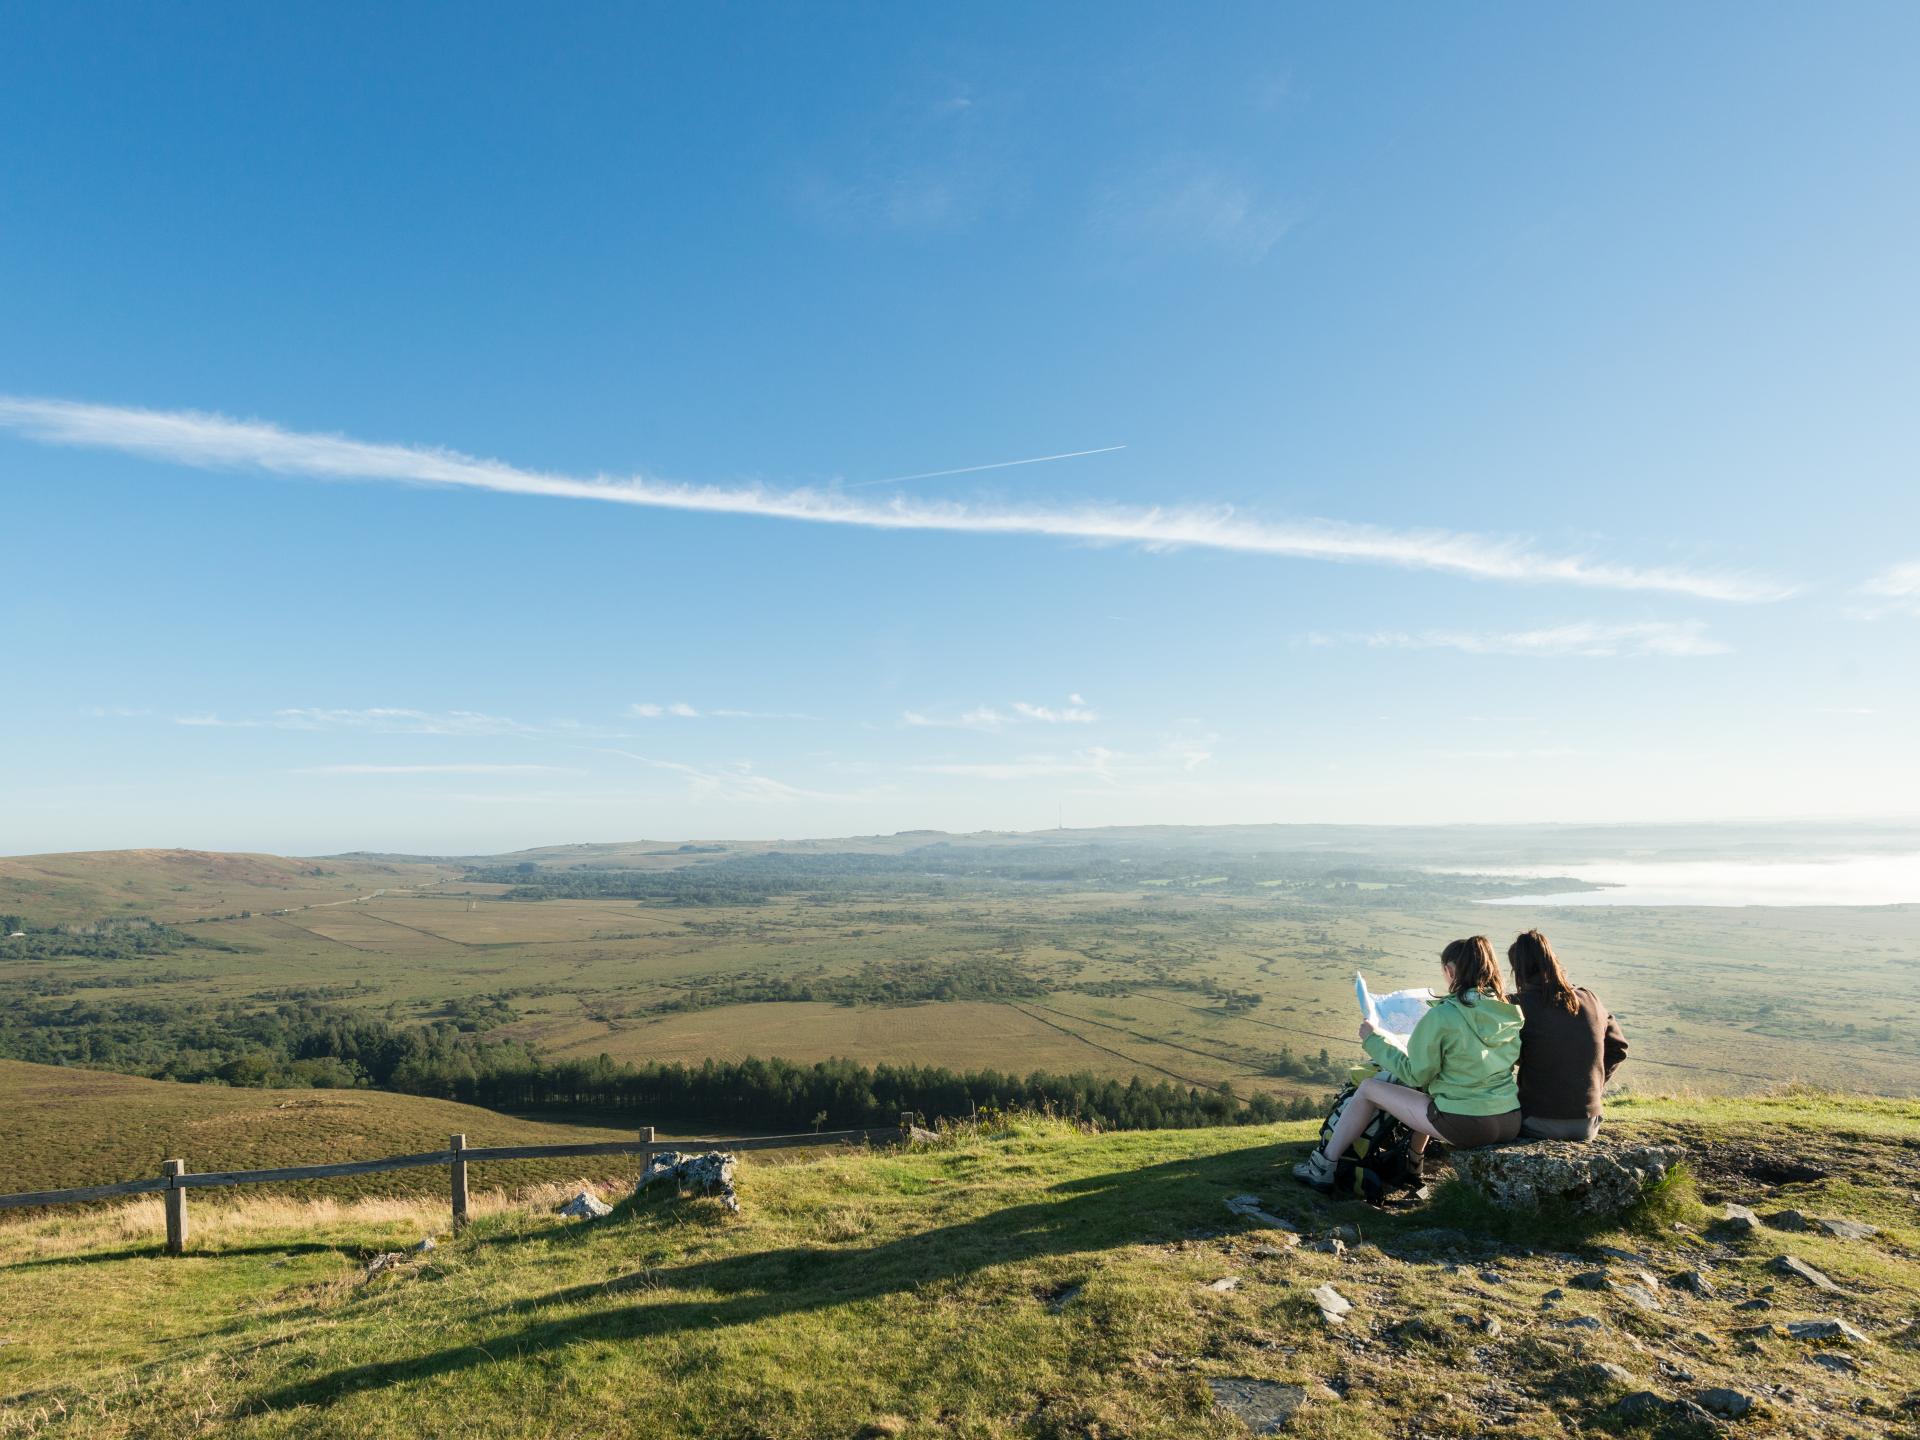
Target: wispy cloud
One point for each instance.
(1683, 638)
(214, 441)
(116, 712)
(680, 710)
(976, 469)
(476, 769)
(382, 720)
(988, 717)
(1894, 591)
(1191, 205)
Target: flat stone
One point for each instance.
(1226, 1284)
(1605, 1372)
(1599, 1177)
(1846, 1229)
(1250, 1206)
(1272, 1252)
(1825, 1329)
(1754, 1304)
(1837, 1360)
(1794, 1265)
(1265, 1407)
(1592, 1280)
(1580, 1322)
(1640, 1295)
(1791, 1220)
(1727, 1404)
(1334, 1307)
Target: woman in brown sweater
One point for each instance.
(1569, 1048)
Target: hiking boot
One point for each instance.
(1316, 1170)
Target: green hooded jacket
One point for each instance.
(1461, 1054)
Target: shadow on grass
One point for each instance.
(158, 1250)
(1100, 1212)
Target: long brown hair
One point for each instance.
(1474, 969)
(1536, 967)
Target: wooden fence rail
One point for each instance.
(175, 1179)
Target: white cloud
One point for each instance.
(214, 441)
(477, 769)
(647, 710)
(115, 712)
(986, 717)
(1895, 591)
(1685, 638)
(1070, 714)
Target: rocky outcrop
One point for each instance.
(1599, 1177)
(709, 1173)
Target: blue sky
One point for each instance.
(456, 429)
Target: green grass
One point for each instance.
(1032, 1281)
(62, 1127)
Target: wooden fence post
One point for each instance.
(176, 1207)
(646, 1147)
(458, 1143)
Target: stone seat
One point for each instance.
(1603, 1176)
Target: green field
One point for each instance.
(1199, 973)
(1026, 1279)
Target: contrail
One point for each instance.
(217, 442)
(970, 469)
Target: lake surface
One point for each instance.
(1843, 880)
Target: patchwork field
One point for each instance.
(1171, 962)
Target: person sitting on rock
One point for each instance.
(1569, 1050)
(1454, 1080)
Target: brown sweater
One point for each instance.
(1566, 1059)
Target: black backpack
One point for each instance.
(1380, 1162)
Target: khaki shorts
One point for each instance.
(1539, 1127)
(1470, 1132)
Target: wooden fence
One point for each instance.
(175, 1180)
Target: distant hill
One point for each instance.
(62, 1127)
(180, 885)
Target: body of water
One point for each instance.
(1842, 880)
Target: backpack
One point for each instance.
(1380, 1161)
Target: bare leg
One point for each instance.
(1404, 1103)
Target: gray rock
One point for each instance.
(1791, 1220)
(1226, 1284)
(1693, 1282)
(1754, 1304)
(425, 1245)
(1334, 1307)
(1837, 1360)
(1605, 1372)
(1846, 1229)
(710, 1173)
(1492, 1277)
(1641, 1405)
(1740, 1220)
(1272, 1252)
(1794, 1265)
(1600, 1177)
(1727, 1404)
(1641, 1296)
(383, 1262)
(1327, 1245)
(584, 1206)
(1552, 1295)
(1264, 1406)
(1825, 1329)
(1579, 1322)
(1350, 1234)
(1592, 1280)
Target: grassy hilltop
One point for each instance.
(1025, 1280)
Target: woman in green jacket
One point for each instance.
(1454, 1080)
